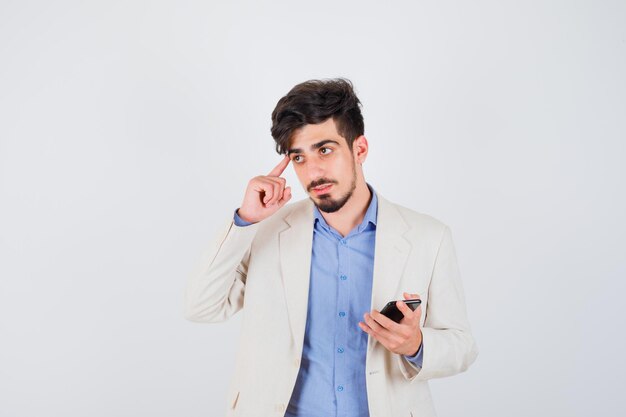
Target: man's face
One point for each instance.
(324, 165)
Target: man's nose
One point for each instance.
(314, 169)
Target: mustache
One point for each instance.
(319, 182)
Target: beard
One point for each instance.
(328, 204)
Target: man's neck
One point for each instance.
(352, 213)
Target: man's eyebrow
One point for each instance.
(314, 146)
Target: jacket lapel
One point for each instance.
(295, 248)
(390, 256)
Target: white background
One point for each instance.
(129, 129)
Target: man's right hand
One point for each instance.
(265, 194)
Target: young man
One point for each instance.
(312, 277)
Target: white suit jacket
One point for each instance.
(263, 269)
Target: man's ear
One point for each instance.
(359, 149)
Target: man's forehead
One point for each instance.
(309, 135)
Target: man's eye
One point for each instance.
(295, 158)
(327, 149)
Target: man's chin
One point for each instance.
(327, 205)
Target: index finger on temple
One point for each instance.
(278, 169)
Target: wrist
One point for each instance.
(416, 351)
(244, 216)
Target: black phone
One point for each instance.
(391, 310)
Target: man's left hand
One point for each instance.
(404, 338)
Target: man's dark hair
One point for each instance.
(313, 102)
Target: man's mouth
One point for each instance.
(324, 188)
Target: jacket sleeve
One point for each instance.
(447, 342)
(216, 287)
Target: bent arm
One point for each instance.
(216, 287)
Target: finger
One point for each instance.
(281, 191)
(365, 327)
(271, 189)
(376, 328)
(384, 321)
(265, 186)
(418, 313)
(286, 197)
(382, 338)
(277, 194)
(405, 309)
(278, 169)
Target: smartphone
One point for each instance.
(391, 310)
